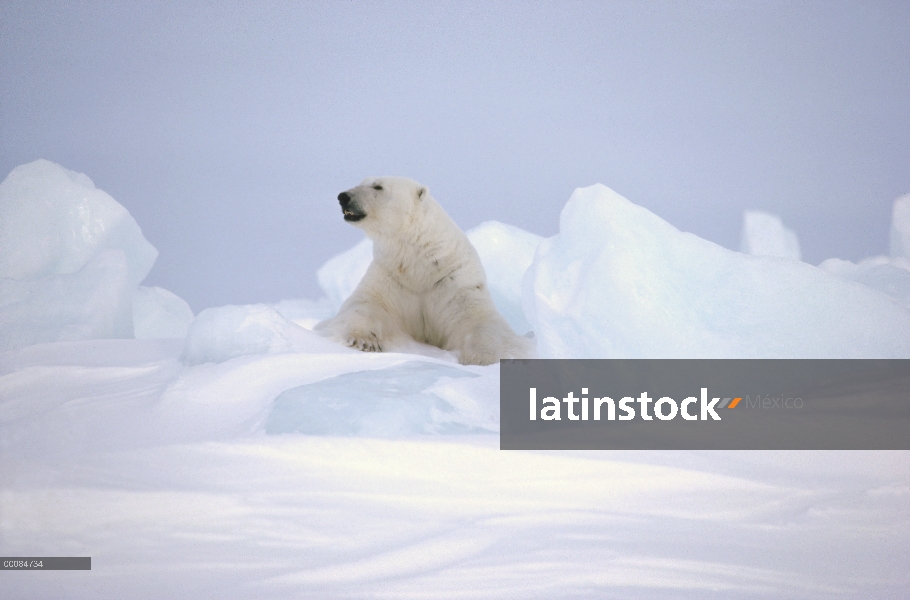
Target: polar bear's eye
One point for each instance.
(377, 187)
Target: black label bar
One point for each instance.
(46, 563)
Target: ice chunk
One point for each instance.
(94, 302)
(219, 334)
(159, 313)
(764, 234)
(339, 277)
(900, 228)
(53, 221)
(70, 258)
(506, 252)
(877, 272)
(619, 282)
(394, 401)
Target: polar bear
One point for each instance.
(426, 282)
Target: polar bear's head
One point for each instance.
(380, 203)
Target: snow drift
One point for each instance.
(248, 457)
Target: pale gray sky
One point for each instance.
(228, 128)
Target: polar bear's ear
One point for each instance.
(422, 192)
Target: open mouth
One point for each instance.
(350, 215)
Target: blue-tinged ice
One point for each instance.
(619, 282)
(411, 398)
(70, 258)
(94, 302)
(506, 252)
(53, 221)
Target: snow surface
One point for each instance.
(166, 475)
(226, 332)
(253, 458)
(764, 234)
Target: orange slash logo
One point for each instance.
(732, 404)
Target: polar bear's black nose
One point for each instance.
(344, 199)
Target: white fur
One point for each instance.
(426, 282)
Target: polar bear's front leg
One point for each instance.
(366, 320)
(362, 326)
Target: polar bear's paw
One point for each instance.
(365, 342)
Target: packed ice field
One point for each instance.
(236, 454)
